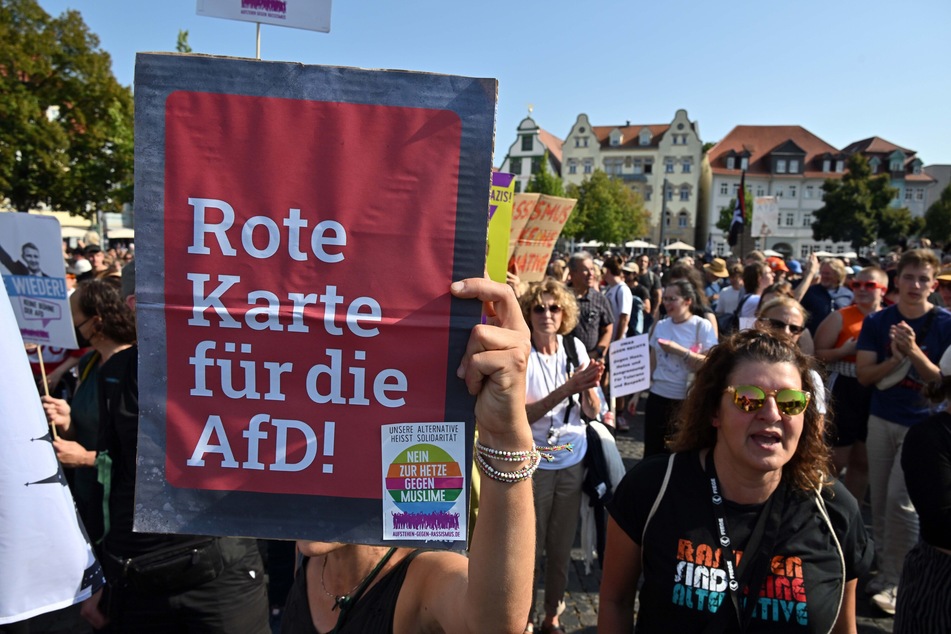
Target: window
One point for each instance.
(515, 165)
(826, 163)
(790, 219)
(526, 143)
(648, 167)
(647, 194)
(518, 187)
(669, 193)
(613, 166)
(644, 138)
(588, 166)
(684, 193)
(839, 166)
(536, 164)
(667, 219)
(807, 220)
(809, 191)
(577, 141)
(920, 193)
(778, 193)
(780, 166)
(744, 163)
(584, 142)
(908, 193)
(572, 166)
(685, 167)
(638, 166)
(669, 166)
(794, 166)
(736, 188)
(616, 138)
(760, 191)
(682, 220)
(792, 191)
(894, 165)
(916, 169)
(840, 248)
(804, 251)
(724, 189)
(730, 162)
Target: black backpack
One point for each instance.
(730, 322)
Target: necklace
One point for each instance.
(344, 601)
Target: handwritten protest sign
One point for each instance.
(539, 234)
(630, 365)
(34, 273)
(521, 212)
(297, 243)
(500, 223)
(765, 215)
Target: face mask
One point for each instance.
(80, 337)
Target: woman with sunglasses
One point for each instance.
(742, 528)
(784, 289)
(835, 345)
(557, 377)
(678, 345)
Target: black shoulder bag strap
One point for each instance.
(757, 554)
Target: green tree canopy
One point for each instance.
(726, 213)
(545, 182)
(937, 221)
(607, 211)
(66, 129)
(855, 207)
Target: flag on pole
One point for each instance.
(45, 555)
(736, 227)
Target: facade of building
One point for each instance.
(904, 168)
(788, 162)
(527, 155)
(942, 177)
(646, 157)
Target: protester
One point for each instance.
(715, 272)
(156, 583)
(352, 588)
(595, 326)
(924, 603)
(944, 285)
(828, 295)
(678, 346)
(97, 261)
(757, 277)
(557, 376)
(729, 298)
(784, 289)
(650, 281)
(619, 296)
(103, 322)
(836, 340)
(897, 351)
(641, 300)
(749, 475)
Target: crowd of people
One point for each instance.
(783, 395)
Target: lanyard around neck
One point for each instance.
(756, 555)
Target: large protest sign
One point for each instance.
(630, 365)
(765, 215)
(34, 274)
(299, 228)
(46, 560)
(501, 200)
(538, 235)
(313, 15)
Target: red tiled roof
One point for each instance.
(760, 140)
(630, 134)
(551, 142)
(874, 145)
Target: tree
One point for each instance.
(726, 214)
(545, 182)
(855, 207)
(66, 129)
(607, 211)
(182, 44)
(937, 221)
(897, 224)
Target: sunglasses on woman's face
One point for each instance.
(538, 309)
(750, 398)
(782, 325)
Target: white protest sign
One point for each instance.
(312, 15)
(630, 365)
(34, 273)
(765, 215)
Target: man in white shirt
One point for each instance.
(619, 296)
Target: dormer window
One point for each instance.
(730, 163)
(526, 143)
(839, 166)
(780, 166)
(793, 166)
(644, 138)
(826, 165)
(873, 164)
(894, 165)
(616, 138)
(744, 163)
(916, 167)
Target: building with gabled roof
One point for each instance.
(526, 155)
(785, 161)
(906, 170)
(645, 157)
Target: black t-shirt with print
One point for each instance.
(684, 579)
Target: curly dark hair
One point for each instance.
(102, 298)
(809, 468)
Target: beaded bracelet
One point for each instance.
(507, 456)
(509, 477)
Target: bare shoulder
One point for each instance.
(433, 593)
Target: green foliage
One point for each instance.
(937, 220)
(66, 128)
(607, 211)
(897, 224)
(181, 45)
(726, 213)
(545, 182)
(706, 146)
(855, 208)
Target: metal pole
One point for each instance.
(663, 212)
(257, 40)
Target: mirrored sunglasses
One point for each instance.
(750, 398)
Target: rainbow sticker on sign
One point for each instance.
(424, 483)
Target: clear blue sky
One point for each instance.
(844, 70)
